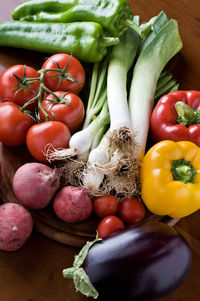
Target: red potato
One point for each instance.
(34, 184)
(16, 225)
(72, 204)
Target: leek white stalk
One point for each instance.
(122, 162)
(94, 173)
(121, 60)
(150, 63)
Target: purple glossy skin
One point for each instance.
(144, 262)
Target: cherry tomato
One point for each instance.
(131, 210)
(53, 133)
(105, 205)
(14, 90)
(70, 110)
(109, 225)
(74, 70)
(14, 124)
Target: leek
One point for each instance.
(150, 63)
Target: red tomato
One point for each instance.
(74, 70)
(69, 111)
(109, 225)
(131, 210)
(19, 94)
(40, 135)
(14, 124)
(105, 205)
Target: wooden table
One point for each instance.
(34, 273)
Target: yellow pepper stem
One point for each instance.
(183, 171)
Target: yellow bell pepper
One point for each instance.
(170, 178)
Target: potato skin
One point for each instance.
(34, 184)
(72, 204)
(16, 225)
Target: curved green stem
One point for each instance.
(109, 41)
(133, 25)
(186, 115)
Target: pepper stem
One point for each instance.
(109, 41)
(186, 115)
(182, 170)
(134, 26)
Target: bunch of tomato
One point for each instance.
(41, 107)
(116, 215)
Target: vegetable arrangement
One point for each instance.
(100, 143)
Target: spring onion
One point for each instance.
(94, 173)
(119, 167)
(82, 141)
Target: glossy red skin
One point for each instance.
(40, 135)
(105, 205)
(70, 113)
(14, 124)
(8, 82)
(163, 119)
(75, 70)
(131, 210)
(110, 225)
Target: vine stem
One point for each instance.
(39, 95)
(43, 88)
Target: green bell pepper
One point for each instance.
(113, 15)
(84, 40)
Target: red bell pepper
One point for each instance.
(176, 117)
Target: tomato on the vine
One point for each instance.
(13, 85)
(70, 110)
(70, 74)
(14, 124)
(105, 205)
(131, 210)
(110, 225)
(53, 133)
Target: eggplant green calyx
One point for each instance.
(183, 171)
(81, 280)
(186, 115)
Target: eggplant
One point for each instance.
(144, 262)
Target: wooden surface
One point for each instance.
(34, 273)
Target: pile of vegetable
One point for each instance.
(95, 143)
